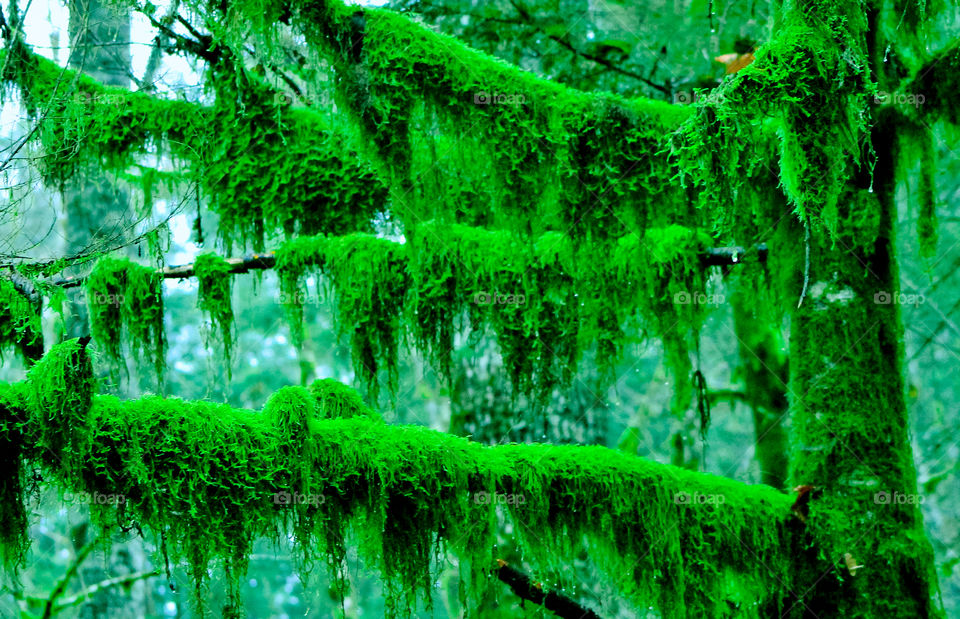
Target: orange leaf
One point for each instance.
(734, 61)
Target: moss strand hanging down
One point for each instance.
(319, 464)
(125, 300)
(215, 282)
(546, 301)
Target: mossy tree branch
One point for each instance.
(208, 477)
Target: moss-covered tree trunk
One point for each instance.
(850, 431)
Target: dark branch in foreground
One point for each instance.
(524, 587)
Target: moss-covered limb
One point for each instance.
(561, 158)
(214, 278)
(125, 300)
(213, 479)
(265, 167)
(20, 323)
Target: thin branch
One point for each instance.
(93, 589)
(717, 256)
(237, 265)
(71, 571)
(526, 588)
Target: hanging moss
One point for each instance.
(369, 278)
(547, 301)
(20, 324)
(214, 279)
(212, 479)
(14, 537)
(125, 301)
(264, 167)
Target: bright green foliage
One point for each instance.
(212, 479)
(126, 304)
(20, 324)
(214, 278)
(263, 166)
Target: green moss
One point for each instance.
(125, 301)
(269, 168)
(20, 323)
(61, 388)
(335, 400)
(368, 276)
(463, 137)
(14, 538)
(547, 301)
(214, 278)
(212, 479)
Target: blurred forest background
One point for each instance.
(664, 50)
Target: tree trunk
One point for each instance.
(850, 431)
(97, 211)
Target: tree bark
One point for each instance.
(850, 427)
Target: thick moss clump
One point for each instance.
(336, 400)
(125, 300)
(215, 281)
